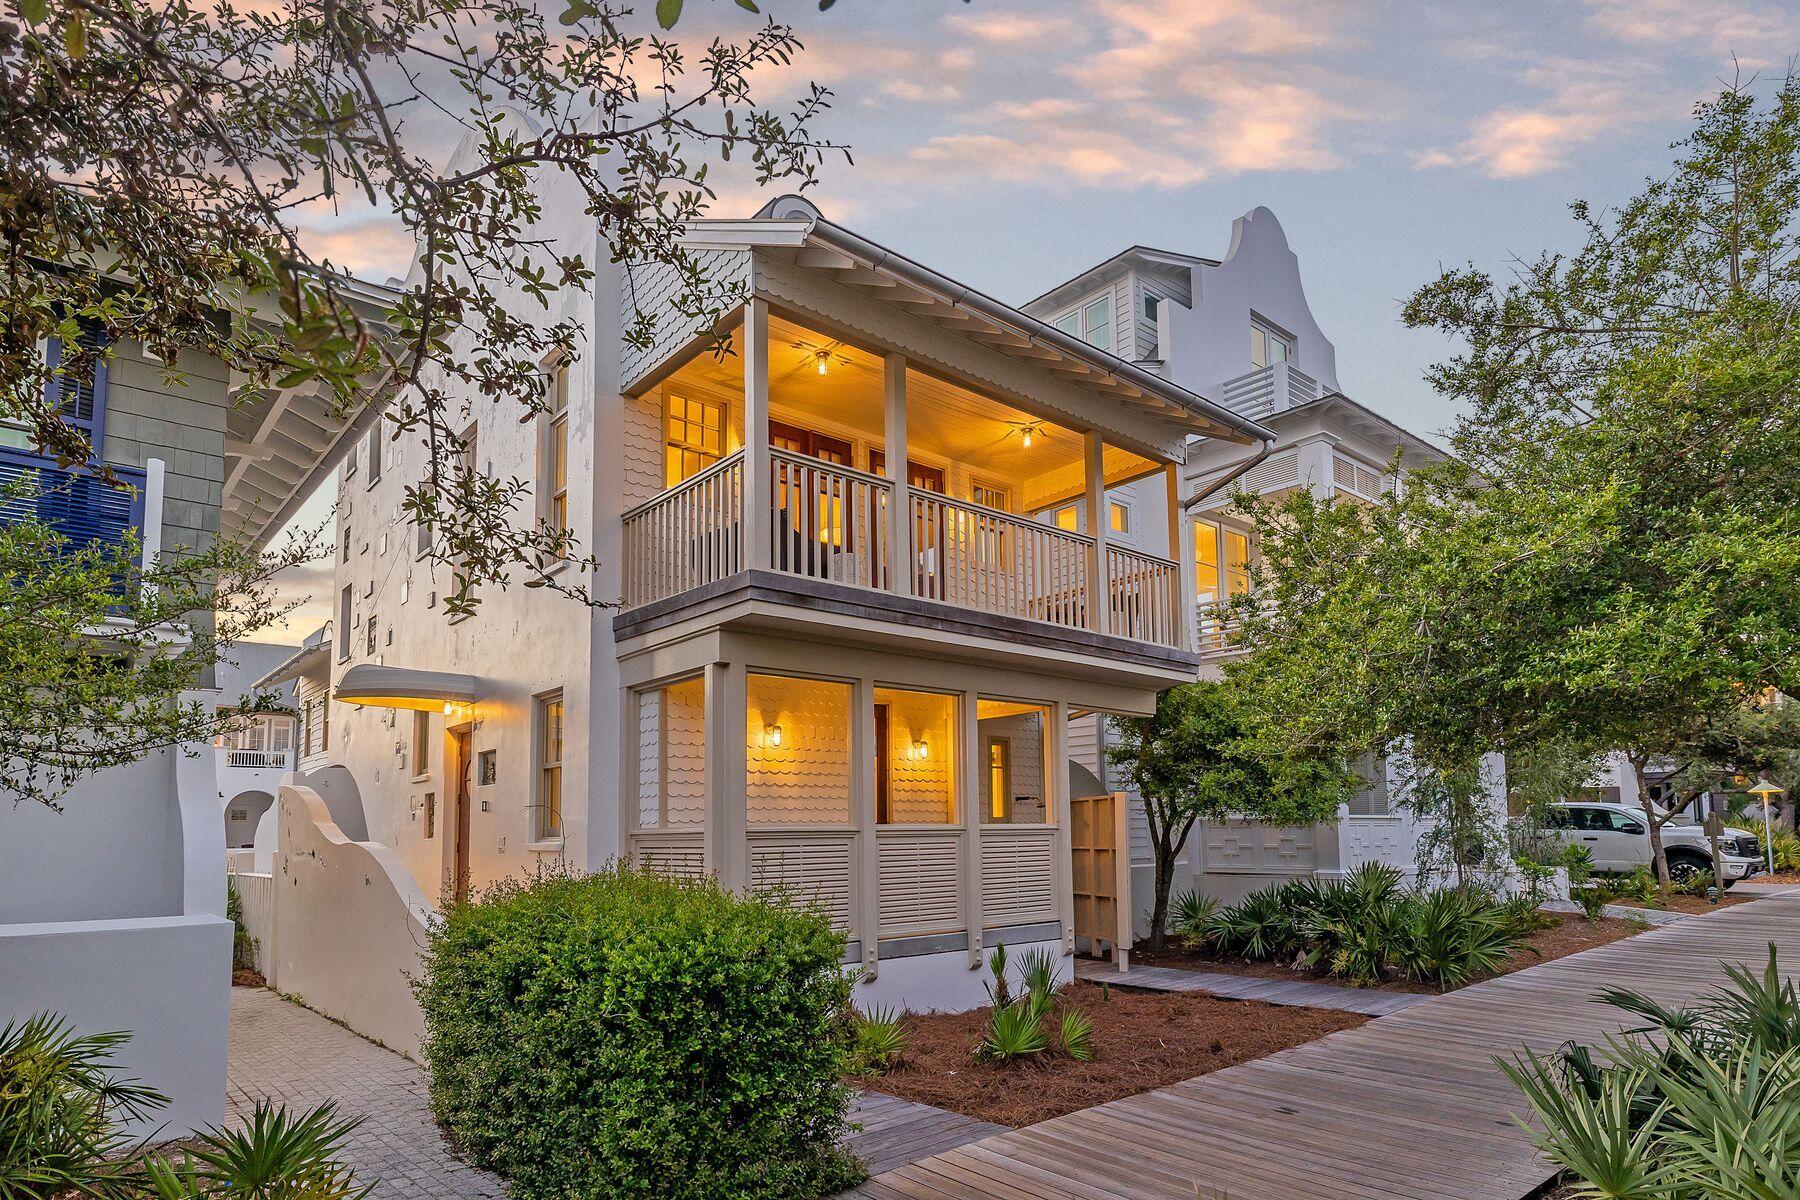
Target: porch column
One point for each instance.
(1056, 790)
(758, 470)
(898, 533)
(968, 788)
(1098, 527)
(727, 779)
(1181, 549)
(865, 911)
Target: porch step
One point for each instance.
(1297, 993)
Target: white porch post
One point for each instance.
(866, 902)
(1181, 549)
(758, 470)
(898, 533)
(1057, 791)
(1099, 601)
(727, 852)
(968, 787)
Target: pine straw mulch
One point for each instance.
(1570, 935)
(247, 977)
(1692, 905)
(1141, 1041)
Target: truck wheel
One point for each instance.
(1684, 867)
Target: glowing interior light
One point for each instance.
(823, 358)
(772, 735)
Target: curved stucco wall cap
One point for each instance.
(1261, 227)
(788, 207)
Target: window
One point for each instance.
(486, 768)
(1013, 750)
(421, 539)
(346, 543)
(345, 599)
(85, 403)
(1118, 518)
(989, 496)
(1091, 322)
(421, 744)
(465, 468)
(1268, 345)
(999, 767)
(1152, 305)
(374, 445)
(797, 751)
(915, 758)
(374, 635)
(430, 814)
(1237, 563)
(1067, 517)
(671, 777)
(693, 437)
(553, 475)
(549, 767)
(1371, 799)
(1206, 562)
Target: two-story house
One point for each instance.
(1239, 329)
(864, 578)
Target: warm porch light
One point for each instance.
(772, 736)
(920, 750)
(823, 358)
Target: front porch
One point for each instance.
(774, 461)
(923, 805)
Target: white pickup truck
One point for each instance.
(1619, 841)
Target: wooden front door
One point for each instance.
(462, 763)
(1100, 875)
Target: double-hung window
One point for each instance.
(553, 481)
(1090, 321)
(548, 821)
(693, 437)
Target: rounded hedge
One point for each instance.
(628, 1034)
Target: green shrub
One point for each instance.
(243, 946)
(877, 1041)
(61, 1105)
(1453, 935)
(1787, 849)
(1193, 917)
(1018, 1024)
(628, 1034)
(1697, 1102)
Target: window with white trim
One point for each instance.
(547, 811)
(553, 458)
(1268, 345)
(1091, 321)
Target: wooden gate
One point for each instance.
(1100, 872)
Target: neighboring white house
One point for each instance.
(1239, 330)
(112, 910)
(255, 752)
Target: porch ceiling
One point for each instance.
(891, 278)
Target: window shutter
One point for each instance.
(82, 401)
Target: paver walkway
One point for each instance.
(1296, 993)
(289, 1054)
(1408, 1106)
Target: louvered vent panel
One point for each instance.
(1018, 875)
(919, 882)
(811, 868)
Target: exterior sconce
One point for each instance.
(921, 750)
(772, 736)
(823, 358)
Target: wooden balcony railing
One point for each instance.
(1143, 604)
(994, 562)
(1215, 632)
(830, 522)
(686, 537)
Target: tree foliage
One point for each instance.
(1201, 757)
(1613, 559)
(98, 651)
(157, 160)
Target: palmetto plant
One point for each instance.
(61, 1107)
(1194, 911)
(878, 1040)
(1700, 1103)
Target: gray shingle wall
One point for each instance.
(182, 423)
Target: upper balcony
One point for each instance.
(886, 456)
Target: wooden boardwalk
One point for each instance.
(895, 1132)
(1295, 993)
(1409, 1105)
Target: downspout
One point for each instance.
(1231, 476)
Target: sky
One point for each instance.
(1011, 144)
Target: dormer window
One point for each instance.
(1268, 345)
(1091, 322)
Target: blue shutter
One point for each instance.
(82, 401)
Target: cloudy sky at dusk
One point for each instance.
(1010, 144)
